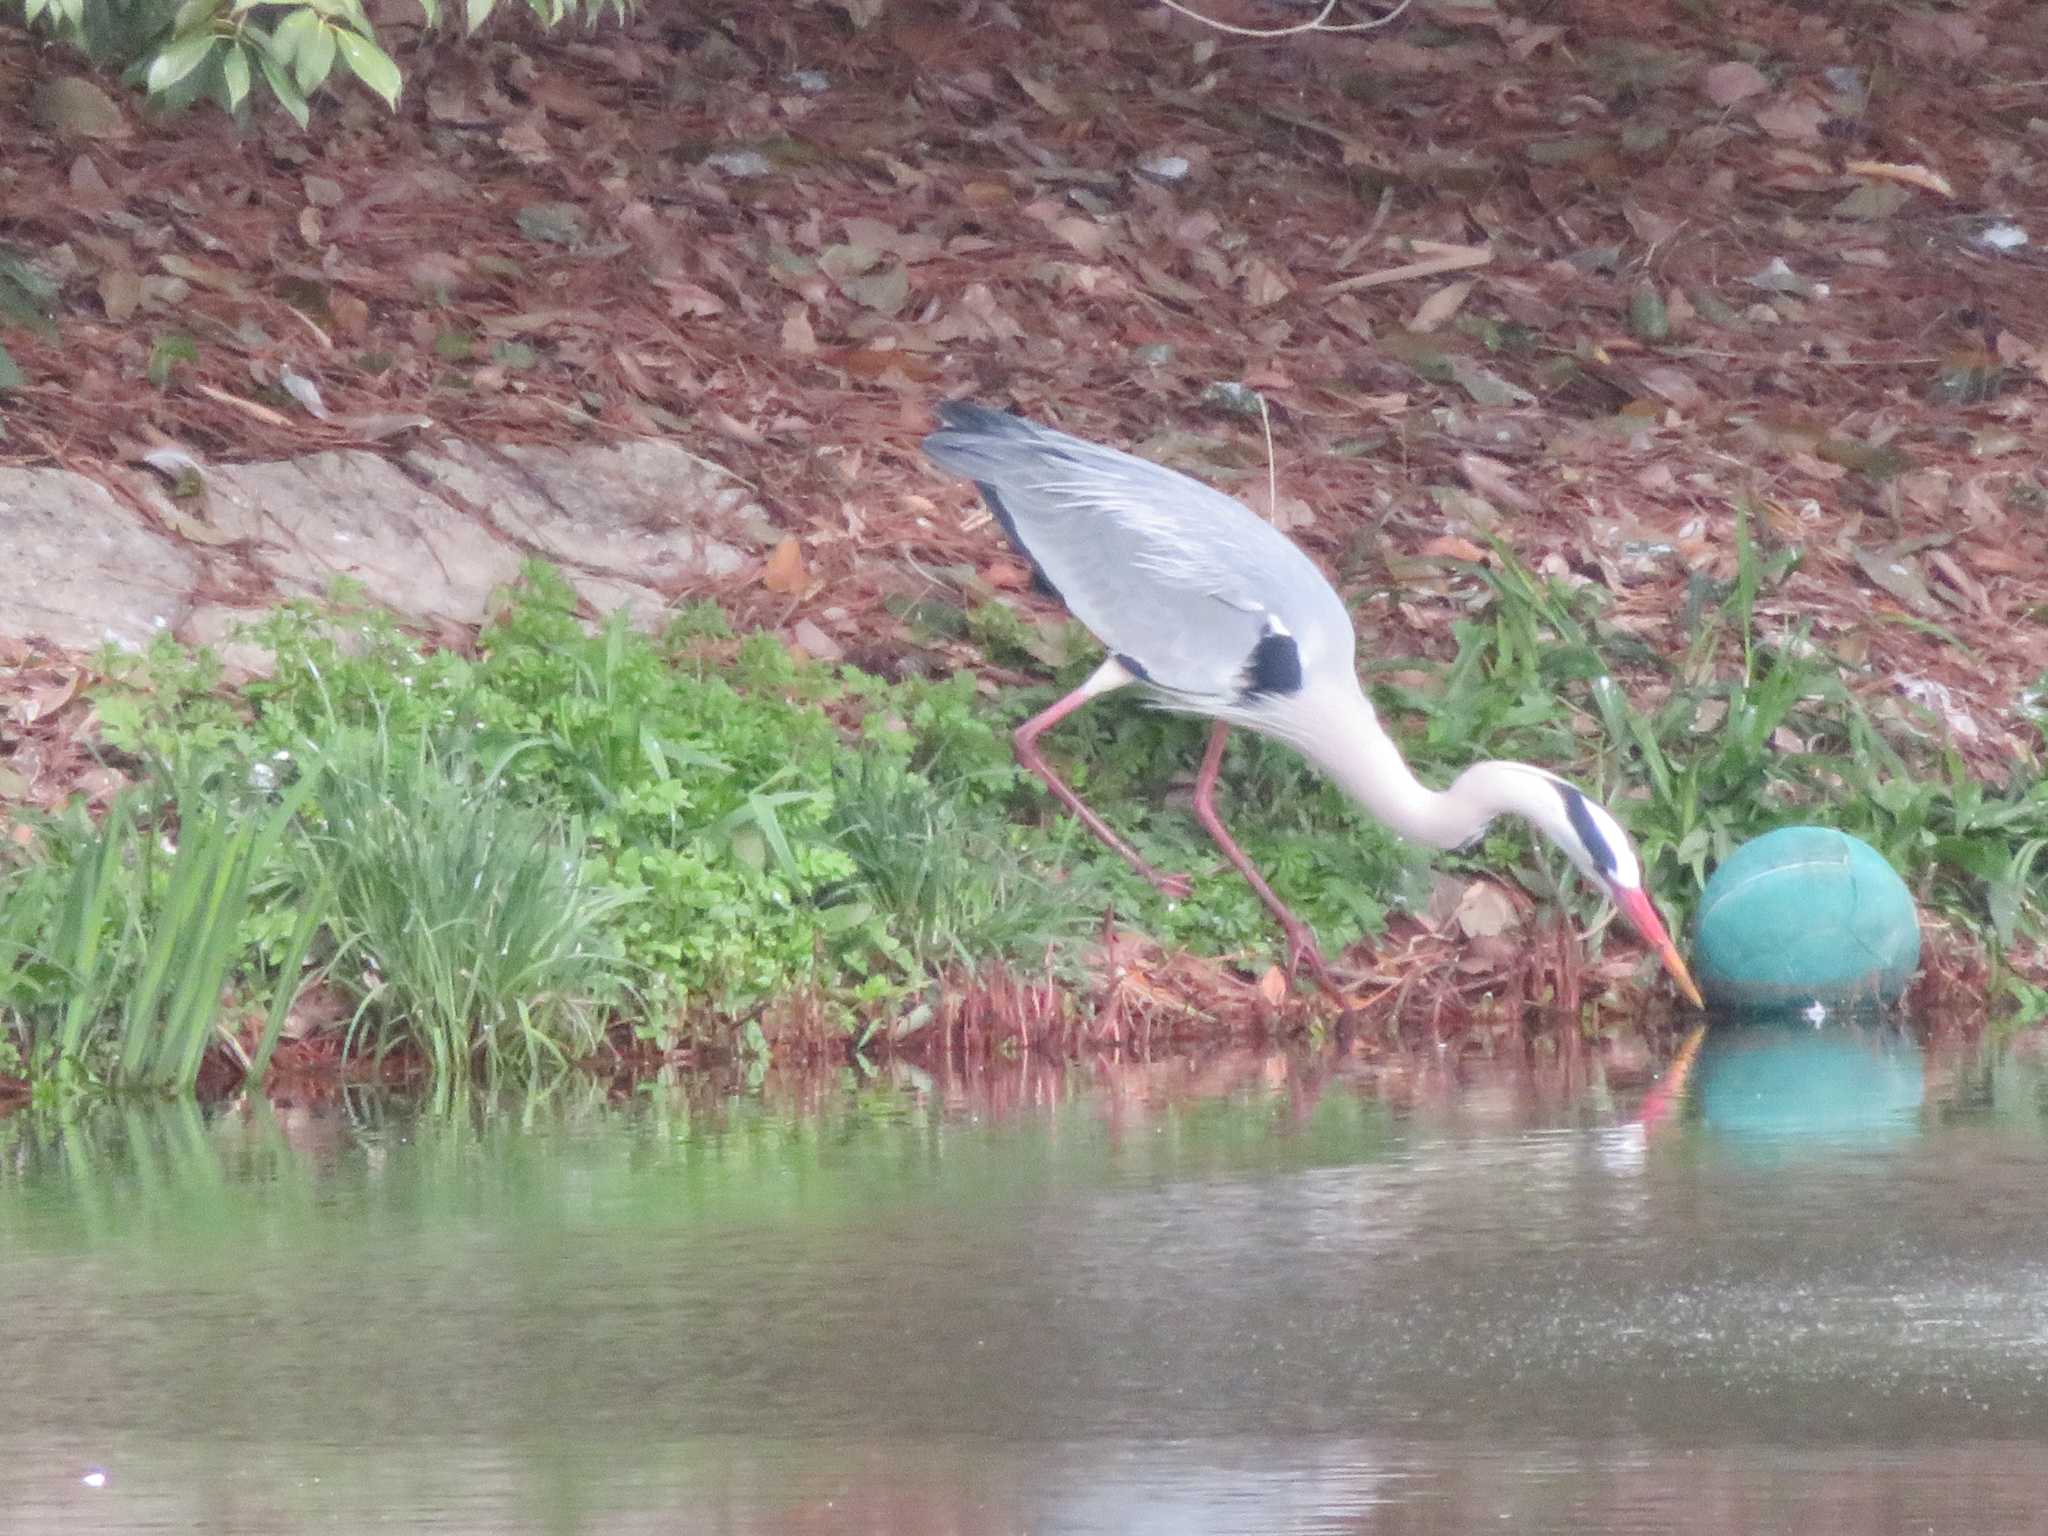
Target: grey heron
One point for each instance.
(1215, 612)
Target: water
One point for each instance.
(1251, 1295)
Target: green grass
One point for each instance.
(945, 874)
(1750, 734)
(496, 856)
(464, 920)
(120, 936)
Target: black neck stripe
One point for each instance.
(1581, 817)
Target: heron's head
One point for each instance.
(1596, 844)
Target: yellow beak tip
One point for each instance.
(1675, 964)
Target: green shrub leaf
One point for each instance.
(179, 58)
(287, 92)
(312, 49)
(370, 64)
(234, 72)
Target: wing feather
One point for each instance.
(1161, 568)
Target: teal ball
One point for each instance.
(1804, 915)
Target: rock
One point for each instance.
(331, 515)
(218, 629)
(80, 570)
(625, 523)
(72, 107)
(816, 643)
(630, 526)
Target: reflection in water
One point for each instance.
(1254, 1294)
(1788, 1079)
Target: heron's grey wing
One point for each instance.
(1187, 583)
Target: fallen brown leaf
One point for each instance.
(1485, 911)
(1910, 175)
(1046, 97)
(1726, 84)
(1007, 575)
(816, 643)
(87, 182)
(1450, 547)
(37, 703)
(880, 362)
(1084, 235)
(1264, 284)
(1793, 117)
(120, 293)
(784, 571)
(1938, 36)
(798, 339)
(1495, 481)
(1524, 38)
(1441, 305)
(72, 106)
(690, 299)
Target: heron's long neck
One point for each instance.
(1340, 734)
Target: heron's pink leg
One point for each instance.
(1111, 674)
(1301, 944)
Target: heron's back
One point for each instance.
(1188, 584)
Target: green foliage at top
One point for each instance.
(184, 51)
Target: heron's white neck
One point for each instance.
(1338, 731)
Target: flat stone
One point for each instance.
(645, 608)
(80, 570)
(73, 107)
(630, 526)
(309, 521)
(646, 512)
(218, 628)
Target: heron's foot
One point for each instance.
(1301, 947)
(1172, 887)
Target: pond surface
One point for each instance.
(1256, 1294)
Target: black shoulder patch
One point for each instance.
(982, 420)
(1009, 526)
(1581, 818)
(1274, 666)
(1135, 667)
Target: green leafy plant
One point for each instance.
(184, 51)
(1748, 736)
(463, 922)
(945, 874)
(506, 849)
(142, 933)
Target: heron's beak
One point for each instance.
(1642, 916)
